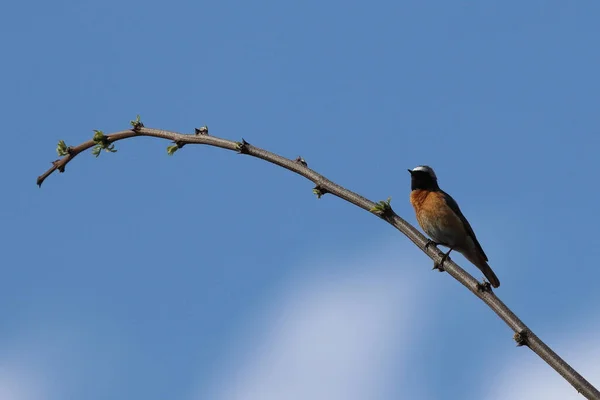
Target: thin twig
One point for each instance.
(523, 335)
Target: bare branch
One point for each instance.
(523, 335)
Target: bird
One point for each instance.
(440, 217)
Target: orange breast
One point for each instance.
(418, 197)
(436, 218)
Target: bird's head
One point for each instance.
(423, 177)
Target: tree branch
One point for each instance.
(523, 335)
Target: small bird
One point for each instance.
(441, 219)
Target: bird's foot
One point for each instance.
(440, 264)
(431, 243)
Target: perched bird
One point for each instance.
(441, 219)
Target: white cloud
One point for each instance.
(534, 379)
(28, 366)
(19, 382)
(336, 336)
(45, 361)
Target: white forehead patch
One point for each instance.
(425, 168)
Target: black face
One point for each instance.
(422, 180)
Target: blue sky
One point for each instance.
(214, 275)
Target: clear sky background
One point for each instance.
(210, 275)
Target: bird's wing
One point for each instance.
(454, 206)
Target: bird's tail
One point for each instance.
(479, 261)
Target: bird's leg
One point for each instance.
(440, 265)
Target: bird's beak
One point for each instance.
(410, 170)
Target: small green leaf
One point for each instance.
(62, 148)
(102, 142)
(319, 191)
(96, 150)
(382, 207)
(242, 147)
(98, 136)
(136, 123)
(172, 149)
